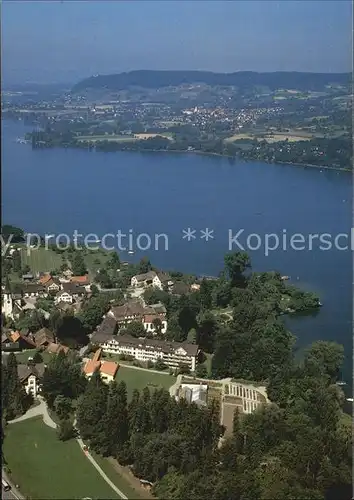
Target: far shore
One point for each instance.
(205, 153)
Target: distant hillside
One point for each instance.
(242, 79)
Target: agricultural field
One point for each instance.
(110, 138)
(45, 467)
(40, 259)
(238, 137)
(167, 135)
(284, 137)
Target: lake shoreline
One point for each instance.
(205, 153)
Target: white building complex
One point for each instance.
(173, 354)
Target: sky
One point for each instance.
(65, 41)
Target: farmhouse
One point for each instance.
(173, 354)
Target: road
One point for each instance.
(12, 494)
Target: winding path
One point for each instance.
(42, 409)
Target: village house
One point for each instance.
(173, 354)
(105, 330)
(136, 311)
(53, 348)
(107, 369)
(53, 285)
(83, 281)
(63, 297)
(128, 312)
(43, 337)
(147, 279)
(152, 322)
(69, 293)
(33, 290)
(30, 377)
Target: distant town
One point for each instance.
(262, 121)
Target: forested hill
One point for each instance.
(242, 79)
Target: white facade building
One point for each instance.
(173, 354)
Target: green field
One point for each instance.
(40, 259)
(92, 257)
(45, 467)
(139, 379)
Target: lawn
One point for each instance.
(45, 467)
(139, 379)
(115, 477)
(40, 259)
(22, 357)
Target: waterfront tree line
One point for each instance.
(329, 152)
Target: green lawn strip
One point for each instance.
(139, 379)
(45, 467)
(22, 357)
(115, 477)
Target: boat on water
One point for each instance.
(285, 278)
(341, 382)
(130, 252)
(350, 400)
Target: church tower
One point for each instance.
(7, 301)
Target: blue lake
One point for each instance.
(58, 191)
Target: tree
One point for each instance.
(157, 323)
(12, 234)
(326, 358)
(207, 330)
(201, 371)
(37, 357)
(78, 264)
(93, 310)
(94, 290)
(104, 279)
(144, 266)
(62, 406)
(66, 430)
(206, 288)
(15, 400)
(135, 328)
(91, 411)
(160, 365)
(114, 261)
(236, 263)
(62, 377)
(115, 421)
